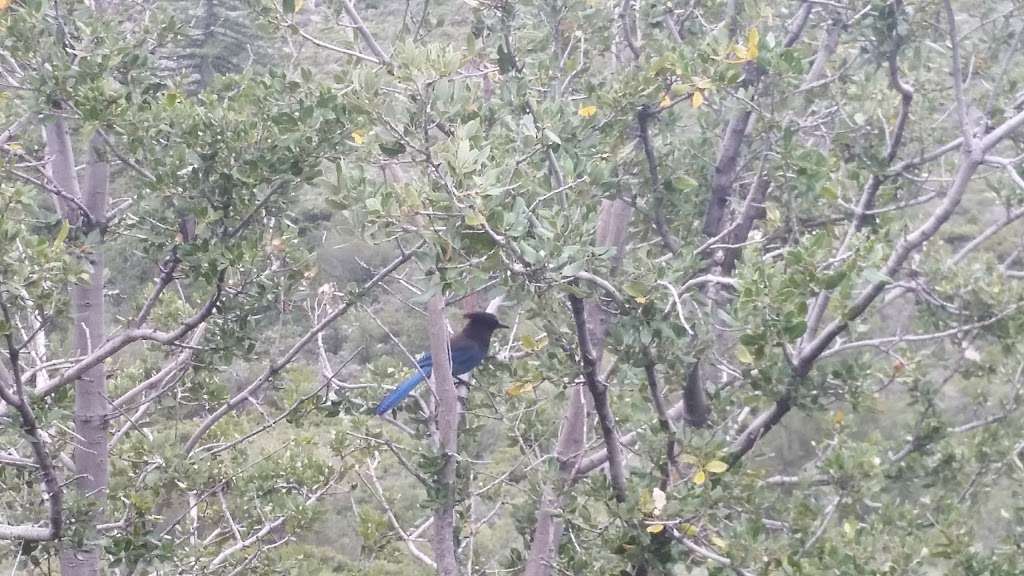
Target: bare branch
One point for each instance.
(13, 129)
(667, 428)
(966, 131)
(276, 366)
(51, 483)
(672, 244)
(267, 528)
(117, 343)
(409, 539)
(875, 342)
(146, 175)
(830, 510)
(599, 393)
(332, 47)
(350, 10)
(704, 553)
(287, 412)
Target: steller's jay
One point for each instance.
(468, 350)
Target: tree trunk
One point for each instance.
(612, 226)
(448, 439)
(91, 453)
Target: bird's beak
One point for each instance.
(500, 325)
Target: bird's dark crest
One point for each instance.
(485, 319)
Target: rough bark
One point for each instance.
(613, 224)
(727, 165)
(602, 407)
(61, 166)
(448, 440)
(91, 453)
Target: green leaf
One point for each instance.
(62, 234)
(876, 275)
(833, 280)
(573, 268)
(635, 289)
(392, 149)
(682, 183)
(795, 329)
(743, 355)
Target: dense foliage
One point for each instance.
(762, 263)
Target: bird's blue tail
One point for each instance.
(398, 394)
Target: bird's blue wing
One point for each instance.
(423, 370)
(466, 355)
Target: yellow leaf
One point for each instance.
(838, 418)
(62, 233)
(665, 102)
(532, 344)
(688, 529)
(753, 38)
(13, 145)
(4, 4)
(655, 528)
(697, 99)
(359, 136)
(700, 477)
(849, 528)
(520, 388)
(704, 83)
(587, 111)
(719, 543)
(716, 466)
(298, 4)
(474, 218)
(743, 355)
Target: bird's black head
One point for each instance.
(485, 320)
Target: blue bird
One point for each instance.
(468, 350)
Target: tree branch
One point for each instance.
(966, 131)
(276, 366)
(54, 493)
(599, 393)
(350, 10)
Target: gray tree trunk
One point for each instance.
(91, 453)
(448, 439)
(612, 226)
